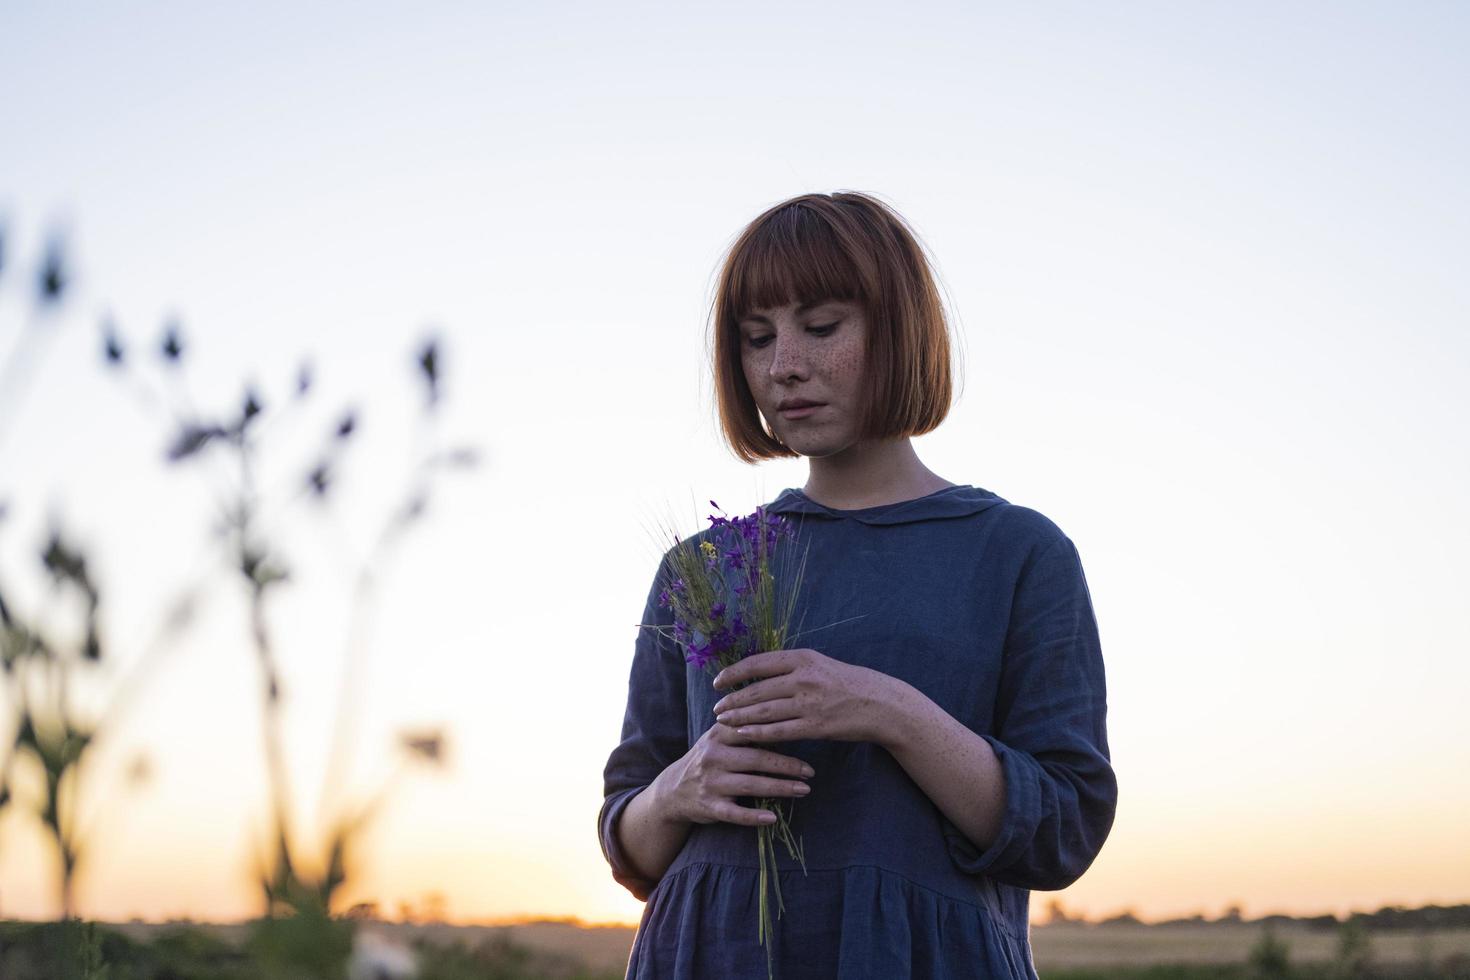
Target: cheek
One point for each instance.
(845, 362)
(752, 375)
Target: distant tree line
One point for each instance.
(1392, 918)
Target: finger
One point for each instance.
(725, 734)
(742, 757)
(755, 666)
(780, 686)
(728, 735)
(766, 761)
(743, 815)
(780, 731)
(744, 785)
(764, 712)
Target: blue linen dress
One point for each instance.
(982, 605)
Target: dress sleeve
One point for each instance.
(1050, 734)
(654, 732)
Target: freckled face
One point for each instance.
(816, 353)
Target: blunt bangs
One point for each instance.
(793, 256)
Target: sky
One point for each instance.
(1205, 264)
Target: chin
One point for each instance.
(812, 446)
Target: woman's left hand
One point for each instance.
(800, 694)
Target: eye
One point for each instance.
(819, 330)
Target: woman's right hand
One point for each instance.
(720, 766)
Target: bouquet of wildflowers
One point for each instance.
(724, 597)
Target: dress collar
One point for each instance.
(957, 501)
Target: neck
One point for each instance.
(870, 475)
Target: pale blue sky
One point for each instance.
(1207, 263)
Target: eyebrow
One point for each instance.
(803, 308)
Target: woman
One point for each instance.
(945, 736)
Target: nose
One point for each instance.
(788, 361)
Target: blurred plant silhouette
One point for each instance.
(43, 666)
(1270, 956)
(1354, 949)
(298, 933)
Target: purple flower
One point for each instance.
(731, 551)
(749, 530)
(700, 654)
(717, 521)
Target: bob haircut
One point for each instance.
(843, 246)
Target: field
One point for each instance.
(1074, 945)
(1067, 950)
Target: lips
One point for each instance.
(792, 403)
